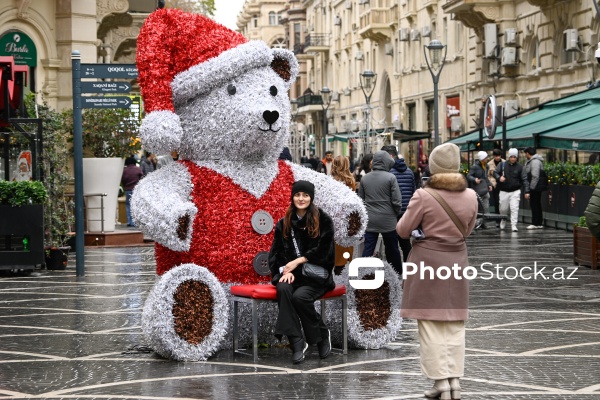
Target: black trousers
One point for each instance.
(535, 202)
(297, 311)
(406, 247)
(495, 199)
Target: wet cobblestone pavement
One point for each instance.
(67, 337)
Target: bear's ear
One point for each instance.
(285, 65)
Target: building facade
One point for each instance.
(104, 31)
(525, 52)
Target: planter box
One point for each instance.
(585, 248)
(15, 223)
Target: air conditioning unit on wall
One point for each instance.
(348, 4)
(415, 35)
(511, 107)
(359, 55)
(571, 40)
(403, 34)
(389, 49)
(426, 31)
(490, 37)
(337, 20)
(510, 37)
(509, 57)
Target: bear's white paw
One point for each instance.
(186, 316)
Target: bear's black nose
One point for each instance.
(271, 116)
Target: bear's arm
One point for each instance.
(344, 207)
(162, 209)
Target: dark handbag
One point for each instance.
(312, 272)
(481, 188)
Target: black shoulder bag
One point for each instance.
(313, 272)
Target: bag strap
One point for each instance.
(448, 210)
(295, 243)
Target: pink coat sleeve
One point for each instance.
(412, 217)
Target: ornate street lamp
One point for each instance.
(368, 79)
(294, 115)
(435, 62)
(326, 96)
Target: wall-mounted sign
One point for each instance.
(20, 46)
(490, 120)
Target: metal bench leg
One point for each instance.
(236, 332)
(345, 323)
(254, 330)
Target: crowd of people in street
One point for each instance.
(422, 216)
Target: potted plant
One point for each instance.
(21, 224)
(109, 136)
(585, 245)
(54, 159)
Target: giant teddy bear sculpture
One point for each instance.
(222, 102)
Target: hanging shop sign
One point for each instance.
(490, 121)
(20, 47)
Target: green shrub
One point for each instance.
(572, 174)
(22, 193)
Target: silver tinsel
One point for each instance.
(159, 200)
(161, 132)
(358, 337)
(337, 200)
(158, 322)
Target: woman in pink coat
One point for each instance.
(439, 302)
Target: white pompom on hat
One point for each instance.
(513, 152)
(482, 155)
(444, 159)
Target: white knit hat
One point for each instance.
(482, 155)
(444, 159)
(513, 152)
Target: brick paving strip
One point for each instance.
(63, 337)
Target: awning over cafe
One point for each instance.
(570, 123)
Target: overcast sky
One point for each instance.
(227, 12)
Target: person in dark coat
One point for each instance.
(381, 194)
(285, 154)
(479, 181)
(148, 163)
(509, 181)
(312, 229)
(532, 172)
(131, 176)
(407, 184)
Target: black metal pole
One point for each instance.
(78, 162)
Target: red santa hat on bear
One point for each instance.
(180, 56)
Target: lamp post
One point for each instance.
(326, 96)
(294, 115)
(368, 79)
(435, 63)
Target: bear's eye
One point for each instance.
(273, 91)
(231, 89)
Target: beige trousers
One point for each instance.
(442, 348)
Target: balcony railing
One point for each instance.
(317, 39)
(309, 100)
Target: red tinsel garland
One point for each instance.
(223, 238)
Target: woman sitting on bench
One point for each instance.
(304, 235)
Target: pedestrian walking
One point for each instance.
(148, 163)
(407, 185)
(383, 200)
(131, 176)
(478, 181)
(536, 182)
(340, 171)
(326, 163)
(495, 193)
(592, 213)
(285, 154)
(446, 213)
(509, 178)
(363, 168)
(304, 235)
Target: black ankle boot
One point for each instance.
(299, 346)
(325, 344)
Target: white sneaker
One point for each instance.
(540, 226)
(502, 224)
(532, 227)
(514, 228)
